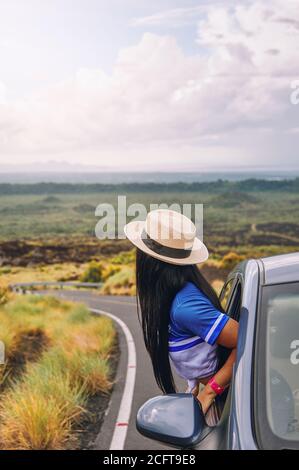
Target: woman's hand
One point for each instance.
(206, 398)
(194, 390)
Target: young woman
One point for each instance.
(181, 317)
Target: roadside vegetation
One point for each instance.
(57, 357)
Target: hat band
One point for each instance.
(177, 253)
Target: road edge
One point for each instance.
(118, 414)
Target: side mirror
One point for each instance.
(175, 419)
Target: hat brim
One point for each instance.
(199, 253)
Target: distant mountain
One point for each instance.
(54, 171)
(63, 167)
(52, 166)
(106, 177)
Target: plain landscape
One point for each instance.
(47, 230)
(47, 233)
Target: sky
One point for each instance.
(174, 85)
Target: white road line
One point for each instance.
(123, 417)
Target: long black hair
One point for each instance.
(157, 284)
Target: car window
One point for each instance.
(226, 293)
(235, 302)
(279, 375)
(230, 297)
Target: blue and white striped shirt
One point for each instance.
(195, 325)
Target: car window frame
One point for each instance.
(264, 435)
(233, 280)
(237, 281)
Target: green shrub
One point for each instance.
(110, 270)
(93, 272)
(125, 257)
(230, 260)
(79, 314)
(122, 283)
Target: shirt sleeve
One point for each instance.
(197, 315)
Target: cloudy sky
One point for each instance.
(159, 84)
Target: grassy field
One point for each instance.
(47, 231)
(231, 219)
(57, 357)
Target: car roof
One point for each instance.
(282, 268)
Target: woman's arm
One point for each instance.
(228, 338)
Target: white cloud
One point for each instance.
(175, 17)
(238, 83)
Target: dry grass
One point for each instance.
(121, 283)
(40, 408)
(53, 272)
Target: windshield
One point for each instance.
(280, 312)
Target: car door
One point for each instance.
(230, 299)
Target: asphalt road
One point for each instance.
(145, 386)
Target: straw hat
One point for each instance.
(169, 236)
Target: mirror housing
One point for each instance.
(176, 419)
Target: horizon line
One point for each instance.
(244, 169)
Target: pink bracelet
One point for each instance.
(217, 388)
